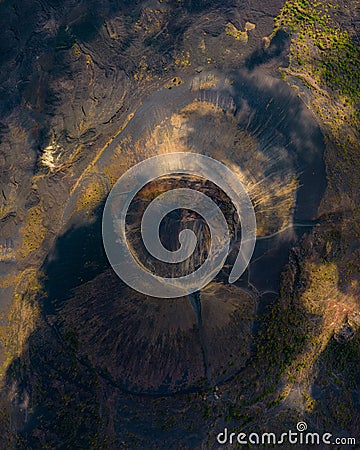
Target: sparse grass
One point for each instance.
(239, 35)
(182, 59)
(151, 21)
(91, 195)
(22, 318)
(284, 337)
(143, 73)
(33, 231)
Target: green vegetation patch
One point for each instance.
(324, 51)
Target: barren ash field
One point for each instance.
(245, 115)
